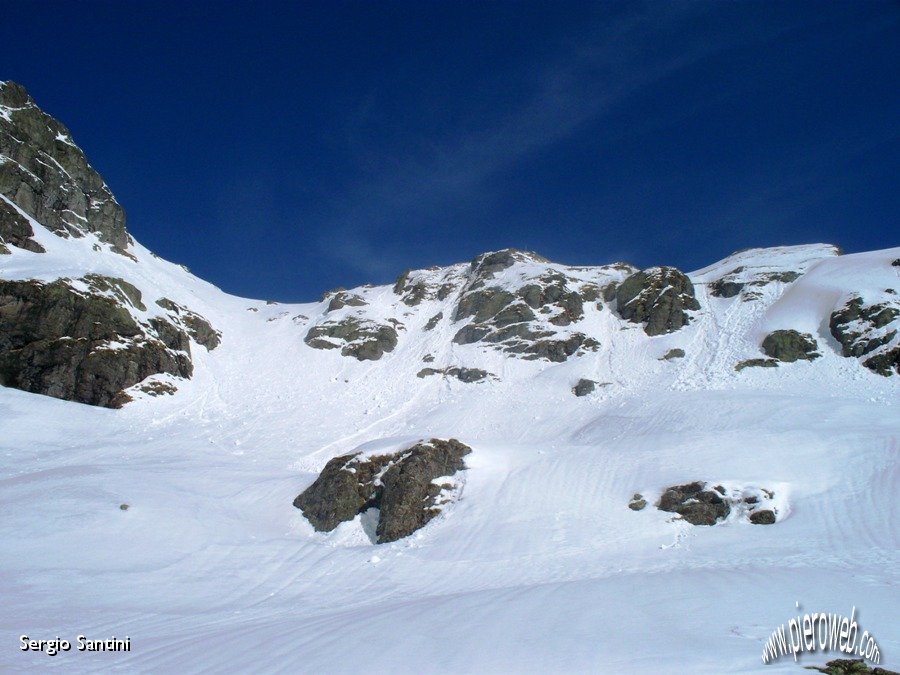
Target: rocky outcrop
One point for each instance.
(343, 299)
(700, 504)
(521, 321)
(362, 339)
(756, 363)
(466, 375)
(694, 504)
(851, 667)
(47, 176)
(15, 229)
(659, 297)
(788, 346)
(196, 326)
(749, 281)
(672, 354)
(80, 346)
(402, 486)
(869, 331)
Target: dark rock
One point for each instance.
(343, 299)
(584, 387)
(467, 375)
(16, 230)
(428, 358)
(672, 354)
(433, 321)
(859, 328)
(850, 667)
(788, 346)
(695, 504)
(197, 327)
(406, 495)
(483, 304)
(659, 297)
(721, 288)
(637, 502)
(123, 507)
(487, 265)
(364, 340)
(69, 345)
(764, 517)
(48, 177)
(896, 263)
(756, 363)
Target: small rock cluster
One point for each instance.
(700, 505)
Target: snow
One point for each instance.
(538, 566)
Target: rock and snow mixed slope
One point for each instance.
(537, 563)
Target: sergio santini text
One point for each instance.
(82, 644)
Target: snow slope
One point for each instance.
(539, 567)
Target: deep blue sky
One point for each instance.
(279, 149)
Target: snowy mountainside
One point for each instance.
(539, 564)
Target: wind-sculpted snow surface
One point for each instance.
(539, 565)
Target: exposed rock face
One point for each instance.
(524, 320)
(659, 298)
(672, 354)
(788, 346)
(756, 363)
(343, 299)
(196, 326)
(869, 330)
(466, 375)
(695, 504)
(364, 340)
(741, 279)
(81, 347)
(15, 230)
(584, 387)
(47, 176)
(401, 485)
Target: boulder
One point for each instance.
(584, 387)
(401, 485)
(672, 354)
(788, 346)
(659, 298)
(694, 503)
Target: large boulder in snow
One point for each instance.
(788, 346)
(869, 330)
(659, 298)
(402, 486)
(83, 346)
(47, 176)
